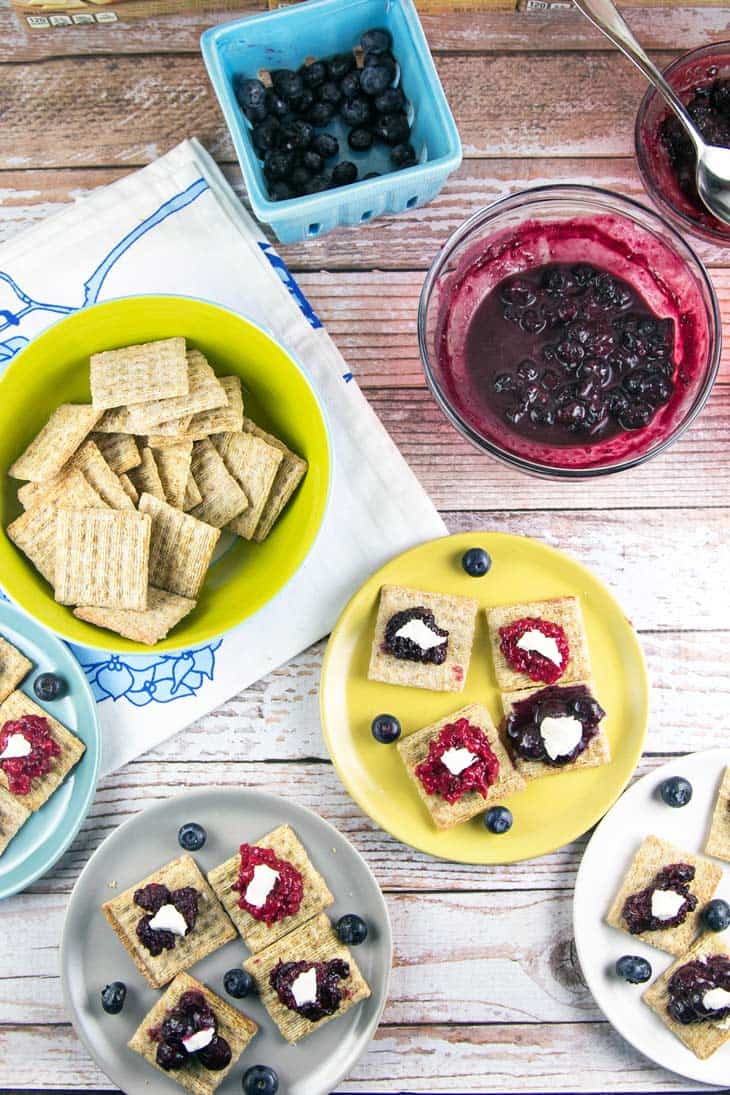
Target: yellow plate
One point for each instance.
(54, 368)
(552, 811)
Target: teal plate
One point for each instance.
(47, 834)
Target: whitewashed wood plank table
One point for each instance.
(486, 994)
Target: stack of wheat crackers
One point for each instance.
(125, 498)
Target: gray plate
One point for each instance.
(91, 955)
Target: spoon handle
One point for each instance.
(604, 15)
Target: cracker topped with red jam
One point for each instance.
(538, 642)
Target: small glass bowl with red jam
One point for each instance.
(665, 156)
(569, 331)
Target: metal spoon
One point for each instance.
(713, 162)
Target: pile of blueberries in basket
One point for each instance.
(287, 116)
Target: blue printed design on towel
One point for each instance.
(287, 277)
(139, 679)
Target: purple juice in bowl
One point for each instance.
(569, 331)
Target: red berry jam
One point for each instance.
(687, 988)
(21, 771)
(286, 895)
(522, 726)
(532, 662)
(330, 990)
(637, 909)
(437, 779)
(191, 1015)
(407, 649)
(151, 898)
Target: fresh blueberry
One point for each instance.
(676, 791)
(355, 111)
(289, 84)
(279, 191)
(296, 136)
(352, 930)
(385, 728)
(393, 129)
(238, 983)
(265, 136)
(191, 836)
(375, 78)
(312, 161)
(716, 915)
(321, 113)
(260, 1080)
(251, 94)
(390, 101)
(325, 145)
(278, 164)
(633, 969)
(360, 139)
(339, 65)
(275, 104)
(476, 562)
(313, 75)
(343, 173)
(376, 40)
(305, 101)
(370, 59)
(316, 184)
(299, 178)
(49, 686)
(113, 997)
(403, 155)
(350, 84)
(329, 92)
(498, 819)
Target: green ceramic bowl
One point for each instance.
(53, 369)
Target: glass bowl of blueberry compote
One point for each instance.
(664, 152)
(569, 331)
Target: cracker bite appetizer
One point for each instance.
(718, 840)
(692, 998)
(538, 642)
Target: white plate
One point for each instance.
(638, 813)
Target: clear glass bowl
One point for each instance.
(695, 69)
(571, 224)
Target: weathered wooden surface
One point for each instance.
(499, 1005)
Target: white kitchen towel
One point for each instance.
(177, 227)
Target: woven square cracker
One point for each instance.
(703, 1039)
(102, 558)
(204, 392)
(718, 840)
(597, 753)
(94, 468)
(565, 611)
(72, 749)
(255, 933)
(173, 465)
(14, 666)
(181, 548)
(314, 941)
(138, 374)
(651, 857)
(120, 451)
(129, 488)
(226, 419)
(56, 443)
(193, 497)
(457, 615)
(231, 1024)
(164, 611)
(34, 532)
(223, 498)
(13, 816)
(253, 464)
(212, 928)
(289, 475)
(414, 749)
(146, 478)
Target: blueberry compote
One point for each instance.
(709, 106)
(523, 657)
(151, 898)
(523, 725)
(330, 991)
(637, 911)
(22, 770)
(286, 894)
(567, 353)
(688, 987)
(478, 775)
(398, 643)
(191, 1015)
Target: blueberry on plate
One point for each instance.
(476, 562)
(350, 84)
(49, 686)
(313, 75)
(390, 101)
(403, 155)
(339, 65)
(716, 915)
(251, 94)
(343, 173)
(113, 997)
(191, 836)
(376, 40)
(355, 111)
(360, 139)
(238, 983)
(676, 791)
(375, 78)
(393, 129)
(633, 969)
(325, 145)
(289, 84)
(385, 729)
(260, 1080)
(498, 820)
(351, 930)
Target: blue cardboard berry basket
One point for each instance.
(317, 29)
